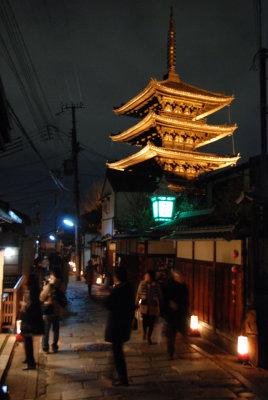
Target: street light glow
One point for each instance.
(51, 237)
(68, 222)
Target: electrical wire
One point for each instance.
(24, 60)
(58, 183)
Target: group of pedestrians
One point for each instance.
(170, 300)
(40, 311)
(42, 307)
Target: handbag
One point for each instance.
(47, 309)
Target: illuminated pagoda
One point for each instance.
(173, 125)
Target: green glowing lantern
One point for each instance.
(163, 207)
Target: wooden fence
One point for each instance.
(216, 294)
(10, 307)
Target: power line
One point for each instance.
(55, 179)
(24, 60)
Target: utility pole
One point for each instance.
(75, 150)
(56, 219)
(263, 54)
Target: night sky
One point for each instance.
(103, 53)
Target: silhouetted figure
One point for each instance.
(55, 261)
(148, 299)
(31, 318)
(121, 305)
(175, 309)
(89, 275)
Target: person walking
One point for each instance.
(31, 318)
(175, 309)
(89, 275)
(121, 305)
(148, 299)
(51, 295)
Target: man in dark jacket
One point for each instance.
(121, 305)
(52, 309)
(175, 309)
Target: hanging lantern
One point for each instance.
(194, 326)
(18, 329)
(235, 253)
(163, 207)
(242, 348)
(234, 269)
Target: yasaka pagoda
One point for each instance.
(173, 125)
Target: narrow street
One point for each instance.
(81, 368)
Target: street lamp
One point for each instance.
(70, 223)
(163, 207)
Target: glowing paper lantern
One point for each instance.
(99, 281)
(194, 326)
(242, 348)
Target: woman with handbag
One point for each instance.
(148, 299)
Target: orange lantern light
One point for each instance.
(99, 281)
(194, 326)
(242, 348)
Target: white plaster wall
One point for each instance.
(185, 249)
(164, 247)
(224, 251)
(203, 250)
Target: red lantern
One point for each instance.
(234, 269)
(234, 282)
(235, 253)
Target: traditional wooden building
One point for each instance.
(221, 248)
(174, 126)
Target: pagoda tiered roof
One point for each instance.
(189, 164)
(174, 125)
(189, 101)
(158, 129)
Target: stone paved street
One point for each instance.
(81, 368)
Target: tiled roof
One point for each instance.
(185, 87)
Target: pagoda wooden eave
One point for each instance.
(150, 151)
(177, 90)
(209, 133)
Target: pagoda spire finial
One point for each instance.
(171, 50)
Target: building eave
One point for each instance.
(189, 92)
(150, 151)
(152, 120)
(206, 232)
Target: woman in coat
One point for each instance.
(120, 304)
(31, 318)
(148, 299)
